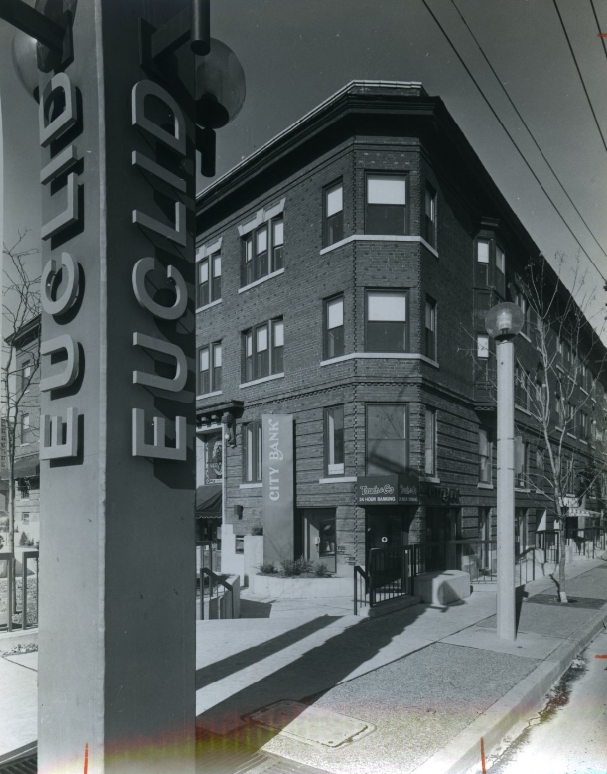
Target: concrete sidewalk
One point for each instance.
(413, 691)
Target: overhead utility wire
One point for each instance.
(558, 13)
(598, 26)
(512, 140)
(537, 145)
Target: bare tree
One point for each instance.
(20, 307)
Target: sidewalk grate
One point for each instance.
(587, 603)
(27, 765)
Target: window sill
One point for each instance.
(560, 368)
(431, 479)
(584, 391)
(380, 356)
(338, 480)
(581, 440)
(208, 306)
(379, 238)
(520, 489)
(209, 395)
(262, 380)
(524, 335)
(524, 410)
(260, 281)
(256, 485)
(480, 485)
(570, 435)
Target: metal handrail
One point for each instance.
(358, 570)
(220, 581)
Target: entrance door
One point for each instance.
(385, 527)
(320, 538)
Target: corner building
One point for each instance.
(344, 271)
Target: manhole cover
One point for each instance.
(311, 724)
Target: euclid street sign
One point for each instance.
(117, 628)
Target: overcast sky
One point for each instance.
(296, 53)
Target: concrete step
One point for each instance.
(389, 606)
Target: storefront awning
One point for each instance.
(208, 501)
(26, 467)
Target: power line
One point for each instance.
(579, 72)
(512, 140)
(598, 26)
(516, 110)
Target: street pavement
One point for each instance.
(304, 686)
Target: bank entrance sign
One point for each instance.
(387, 490)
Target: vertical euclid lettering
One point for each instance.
(52, 446)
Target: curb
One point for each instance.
(9, 640)
(526, 698)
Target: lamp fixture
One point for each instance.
(504, 321)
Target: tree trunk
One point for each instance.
(562, 549)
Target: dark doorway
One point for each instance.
(385, 527)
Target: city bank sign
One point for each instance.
(62, 279)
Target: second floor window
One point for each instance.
(387, 438)
(334, 327)
(385, 211)
(386, 321)
(251, 452)
(210, 362)
(209, 280)
(333, 214)
(430, 329)
(334, 441)
(262, 251)
(485, 452)
(430, 442)
(263, 350)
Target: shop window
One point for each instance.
(430, 329)
(429, 221)
(334, 441)
(387, 438)
(386, 321)
(251, 452)
(24, 486)
(334, 327)
(333, 204)
(262, 251)
(25, 518)
(263, 350)
(521, 463)
(485, 453)
(209, 280)
(213, 459)
(210, 368)
(239, 544)
(385, 205)
(430, 442)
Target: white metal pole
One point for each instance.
(506, 601)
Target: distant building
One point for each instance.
(344, 271)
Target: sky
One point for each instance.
(296, 53)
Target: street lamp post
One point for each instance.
(503, 323)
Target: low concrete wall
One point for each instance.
(300, 588)
(442, 586)
(253, 556)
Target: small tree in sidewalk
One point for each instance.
(559, 392)
(20, 307)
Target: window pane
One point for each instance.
(217, 355)
(204, 359)
(249, 344)
(429, 204)
(385, 190)
(203, 272)
(390, 307)
(262, 338)
(335, 313)
(500, 259)
(482, 251)
(430, 435)
(262, 240)
(249, 449)
(430, 315)
(335, 200)
(217, 266)
(278, 333)
(335, 439)
(482, 346)
(386, 337)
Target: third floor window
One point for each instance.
(262, 251)
(429, 220)
(386, 321)
(430, 329)
(333, 214)
(334, 327)
(385, 205)
(209, 375)
(209, 280)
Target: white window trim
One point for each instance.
(209, 395)
(521, 489)
(208, 429)
(206, 250)
(256, 485)
(379, 238)
(571, 435)
(524, 410)
(262, 216)
(431, 479)
(208, 306)
(263, 379)
(380, 356)
(338, 480)
(524, 335)
(263, 279)
(482, 485)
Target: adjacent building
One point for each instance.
(344, 272)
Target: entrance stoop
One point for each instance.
(442, 587)
(389, 606)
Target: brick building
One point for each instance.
(344, 272)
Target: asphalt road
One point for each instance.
(570, 734)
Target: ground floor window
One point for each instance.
(318, 535)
